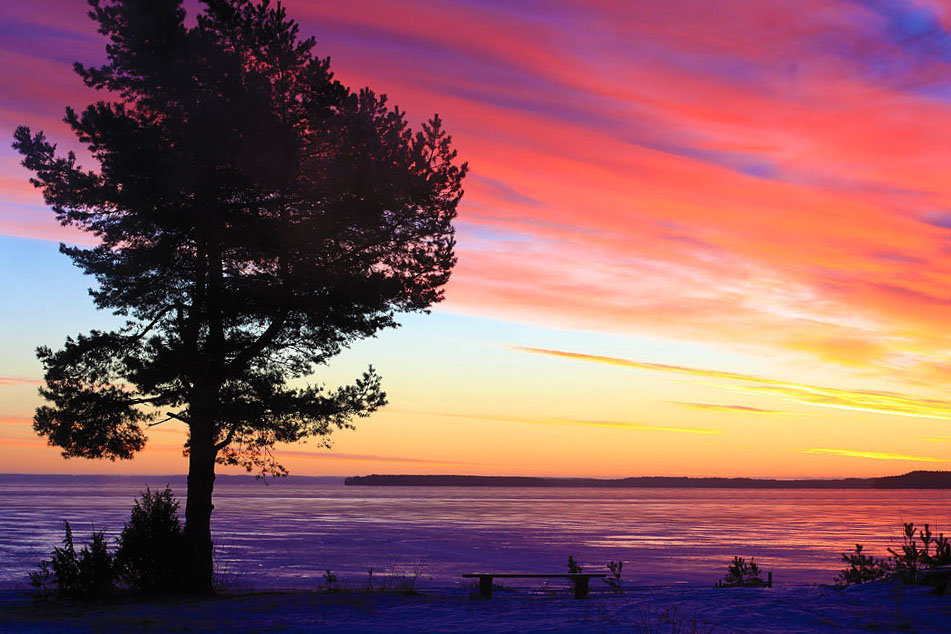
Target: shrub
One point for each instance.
(862, 568)
(404, 580)
(65, 565)
(150, 556)
(615, 579)
(42, 581)
(909, 560)
(573, 567)
(370, 587)
(97, 575)
(906, 562)
(742, 573)
(329, 580)
(87, 575)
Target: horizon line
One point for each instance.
(471, 475)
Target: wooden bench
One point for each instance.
(579, 579)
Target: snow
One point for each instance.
(522, 607)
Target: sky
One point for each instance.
(706, 239)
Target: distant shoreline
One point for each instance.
(911, 480)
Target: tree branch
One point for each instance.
(152, 323)
(178, 417)
(259, 344)
(227, 440)
(145, 399)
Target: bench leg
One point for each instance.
(485, 587)
(581, 588)
(941, 588)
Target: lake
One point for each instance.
(286, 534)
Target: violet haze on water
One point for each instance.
(287, 533)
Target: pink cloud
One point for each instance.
(732, 170)
(18, 380)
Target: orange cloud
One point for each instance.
(874, 455)
(859, 400)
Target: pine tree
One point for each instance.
(254, 218)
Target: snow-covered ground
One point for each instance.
(882, 607)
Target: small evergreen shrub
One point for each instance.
(150, 555)
(742, 573)
(614, 581)
(862, 568)
(97, 574)
(919, 550)
(910, 559)
(42, 582)
(90, 574)
(573, 567)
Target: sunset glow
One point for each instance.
(704, 239)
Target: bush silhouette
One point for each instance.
(862, 568)
(742, 573)
(919, 550)
(614, 581)
(150, 556)
(909, 559)
(90, 574)
(573, 567)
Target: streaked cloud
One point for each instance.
(16, 420)
(18, 380)
(588, 423)
(358, 457)
(874, 455)
(728, 408)
(859, 400)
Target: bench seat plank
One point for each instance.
(515, 575)
(578, 579)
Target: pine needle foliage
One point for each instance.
(151, 550)
(742, 573)
(253, 217)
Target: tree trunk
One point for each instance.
(198, 507)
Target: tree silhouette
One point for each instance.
(254, 217)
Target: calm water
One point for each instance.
(288, 533)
